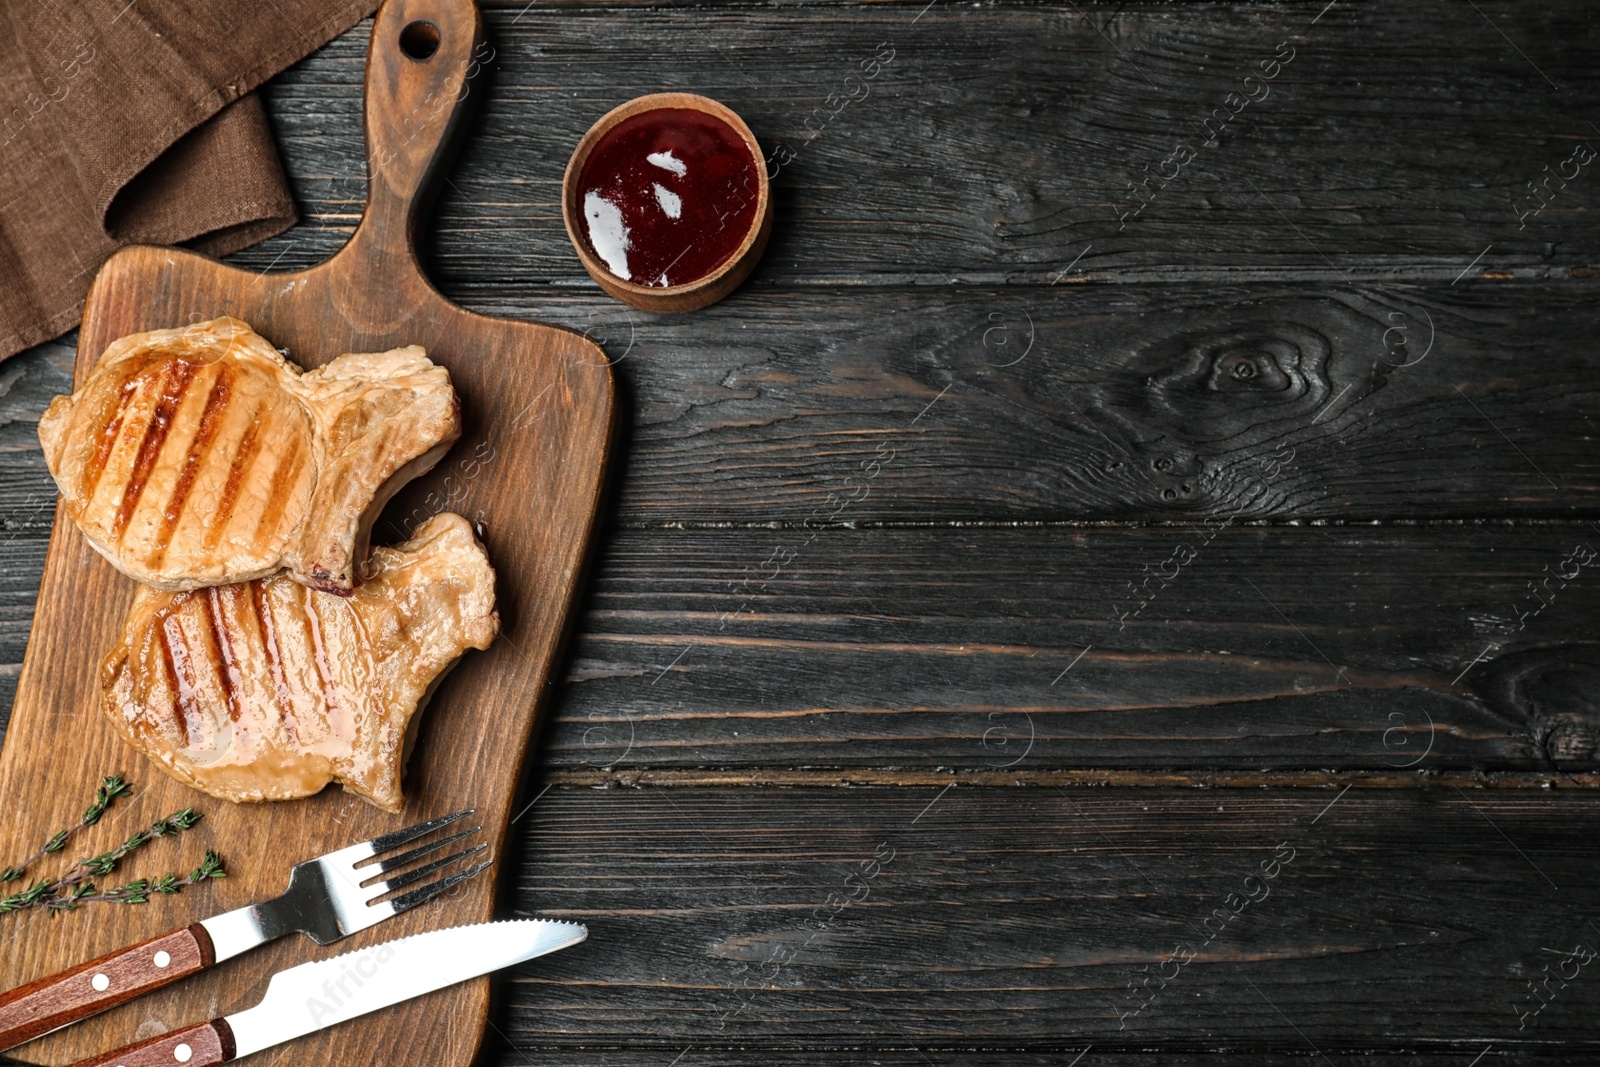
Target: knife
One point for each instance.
(313, 996)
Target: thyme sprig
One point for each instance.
(111, 787)
(76, 887)
(106, 862)
(139, 890)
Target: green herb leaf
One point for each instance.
(74, 888)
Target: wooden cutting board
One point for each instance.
(537, 406)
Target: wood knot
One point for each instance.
(1199, 402)
(1573, 744)
(1211, 384)
(1232, 409)
(1555, 691)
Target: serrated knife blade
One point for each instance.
(313, 996)
(324, 993)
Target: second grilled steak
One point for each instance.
(268, 690)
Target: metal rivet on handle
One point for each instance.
(100, 982)
(182, 1053)
(162, 958)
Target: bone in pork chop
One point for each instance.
(200, 456)
(268, 690)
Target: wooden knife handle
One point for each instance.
(198, 1046)
(41, 1006)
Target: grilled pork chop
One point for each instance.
(200, 456)
(268, 690)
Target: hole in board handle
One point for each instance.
(419, 40)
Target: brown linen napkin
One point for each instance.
(133, 121)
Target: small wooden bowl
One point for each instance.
(689, 296)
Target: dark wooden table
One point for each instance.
(1117, 579)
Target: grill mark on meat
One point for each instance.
(204, 436)
(180, 374)
(153, 639)
(177, 663)
(386, 436)
(249, 445)
(282, 479)
(227, 666)
(319, 656)
(391, 430)
(262, 608)
(108, 438)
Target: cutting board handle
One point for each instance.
(421, 63)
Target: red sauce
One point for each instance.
(667, 196)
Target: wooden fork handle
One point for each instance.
(42, 1006)
(205, 1045)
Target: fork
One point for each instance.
(328, 897)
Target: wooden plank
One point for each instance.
(1016, 919)
(911, 649)
(999, 149)
(1141, 403)
(1164, 403)
(27, 497)
(1004, 651)
(885, 655)
(28, 381)
(21, 564)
